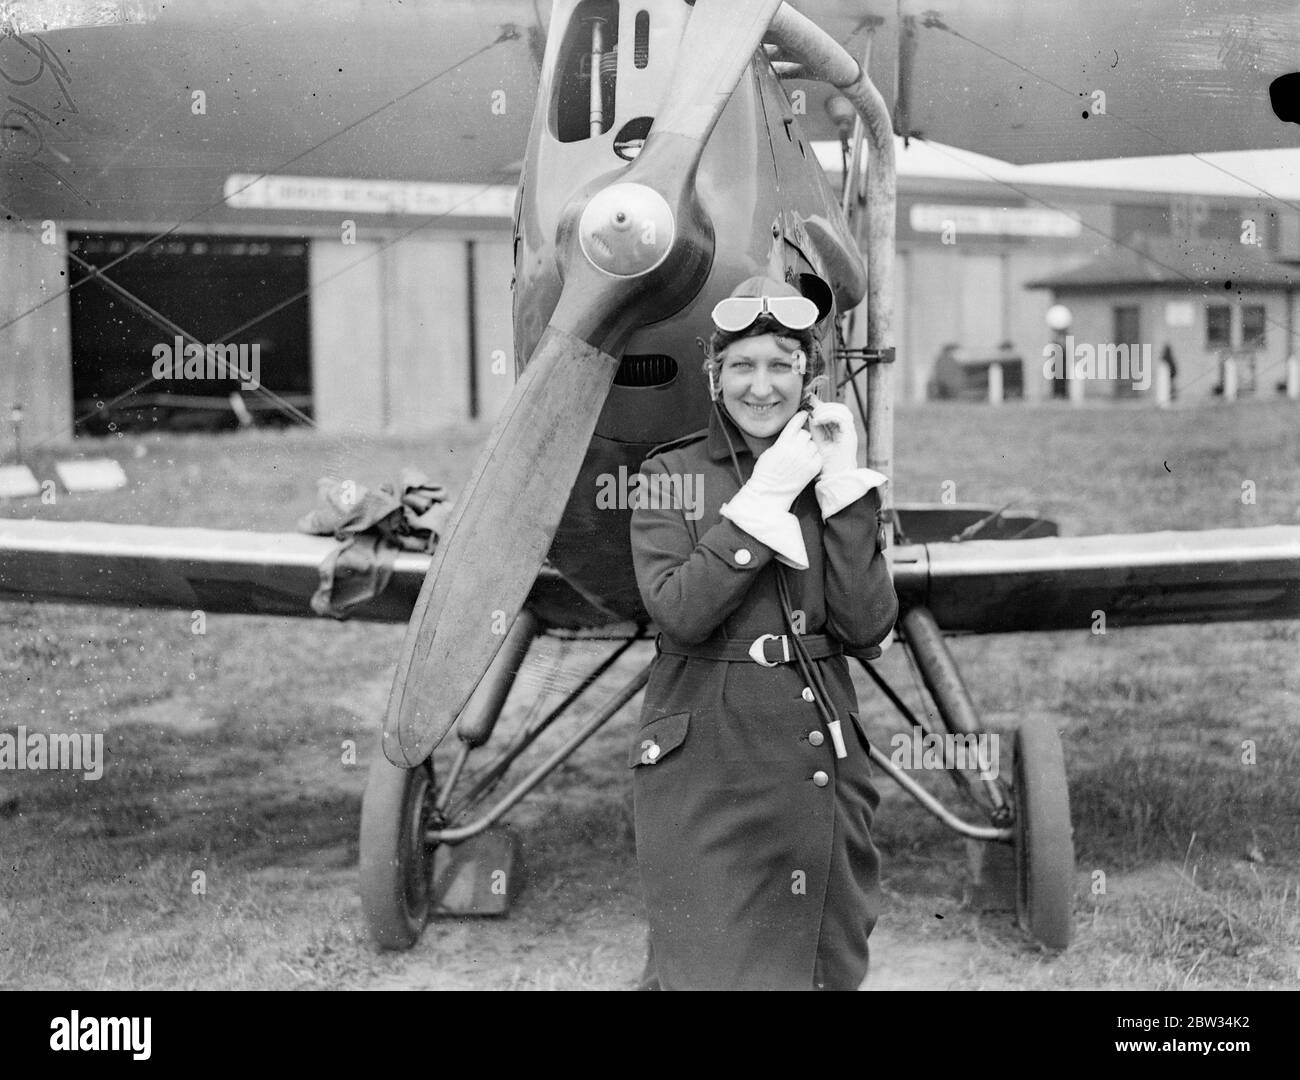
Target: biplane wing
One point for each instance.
(1055, 80)
(974, 586)
(112, 137)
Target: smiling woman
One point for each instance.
(761, 380)
(753, 810)
(763, 354)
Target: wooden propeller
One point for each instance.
(633, 252)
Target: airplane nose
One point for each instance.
(626, 229)
(647, 245)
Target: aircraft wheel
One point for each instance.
(396, 862)
(1043, 835)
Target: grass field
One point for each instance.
(220, 847)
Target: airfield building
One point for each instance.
(1158, 252)
(385, 305)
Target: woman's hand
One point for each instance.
(835, 436)
(762, 506)
(841, 482)
(787, 466)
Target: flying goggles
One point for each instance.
(737, 313)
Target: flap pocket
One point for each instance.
(658, 739)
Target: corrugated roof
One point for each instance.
(1174, 262)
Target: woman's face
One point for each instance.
(760, 384)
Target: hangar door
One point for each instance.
(245, 291)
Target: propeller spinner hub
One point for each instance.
(626, 230)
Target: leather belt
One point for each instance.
(766, 649)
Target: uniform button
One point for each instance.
(820, 778)
(816, 738)
(743, 557)
(807, 693)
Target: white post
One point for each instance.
(1073, 384)
(1229, 379)
(995, 384)
(597, 117)
(882, 201)
(1162, 385)
(1293, 378)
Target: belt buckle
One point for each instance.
(759, 656)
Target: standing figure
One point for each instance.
(753, 810)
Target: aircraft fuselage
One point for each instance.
(771, 211)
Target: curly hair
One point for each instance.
(814, 375)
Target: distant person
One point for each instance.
(945, 378)
(1167, 358)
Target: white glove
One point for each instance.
(836, 438)
(762, 506)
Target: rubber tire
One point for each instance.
(1044, 838)
(396, 864)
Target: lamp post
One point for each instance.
(1059, 317)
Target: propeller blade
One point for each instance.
(716, 49)
(508, 513)
(496, 541)
(614, 279)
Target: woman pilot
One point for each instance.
(753, 799)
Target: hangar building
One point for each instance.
(384, 305)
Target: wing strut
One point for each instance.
(824, 58)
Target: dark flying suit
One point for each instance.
(754, 841)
